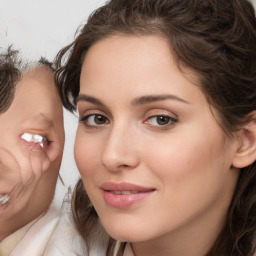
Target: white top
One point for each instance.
(38, 235)
(128, 250)
(65, 240)
(53, 234)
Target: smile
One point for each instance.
(124, 195)
(124, 192)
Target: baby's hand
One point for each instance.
(22, 165)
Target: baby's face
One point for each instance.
(30, 163)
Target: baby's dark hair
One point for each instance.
(9, 75)
(12, 66)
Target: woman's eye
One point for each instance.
(161, 120)
(94, 120)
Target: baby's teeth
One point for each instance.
(4, 199)
(38, 139)
(27, 136)
(33, 137)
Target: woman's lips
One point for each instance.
(123, 195)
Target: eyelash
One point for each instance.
(168, 121)
(86, 120)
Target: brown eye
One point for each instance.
(161, 120)
(99, 119)
(94, 120)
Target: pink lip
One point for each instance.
(31, 144)
(123, 195)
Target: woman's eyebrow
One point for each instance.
(87, 98)
(152, 98)
(137, 101)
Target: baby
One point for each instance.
(31, 147)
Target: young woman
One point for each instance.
(166, 141)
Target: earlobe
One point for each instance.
(246, 151)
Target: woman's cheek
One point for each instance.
(83, 156)
(78, 154)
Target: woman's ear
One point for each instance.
(246, 151)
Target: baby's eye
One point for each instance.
(94, 120)
(37, 138)
(161, 120)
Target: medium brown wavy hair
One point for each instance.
(216, 39)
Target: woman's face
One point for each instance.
(152, 157)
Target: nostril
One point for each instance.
(124, 166)
(119, 163)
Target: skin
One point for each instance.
(27, 172)
(186, 160)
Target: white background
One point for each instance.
(42, 27)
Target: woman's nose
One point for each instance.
(120, 151)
